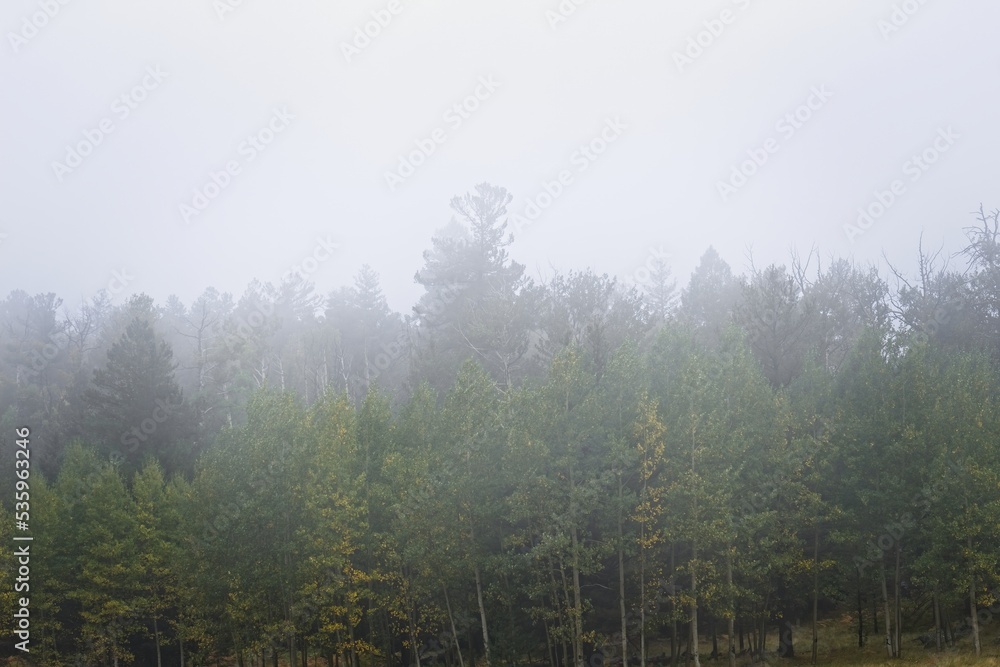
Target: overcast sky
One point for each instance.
(310, 114)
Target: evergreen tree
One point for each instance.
(472, 305)
(135, 408)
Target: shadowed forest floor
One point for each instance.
(838, 647)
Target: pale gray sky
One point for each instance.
(886, 80)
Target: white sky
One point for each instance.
(323, 176)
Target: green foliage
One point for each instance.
(574, 464)
(135, 409)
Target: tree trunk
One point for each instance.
(411, 623)
(156, 635)
(472, 647)
(694, 607)
(861, 616)
(642, 608)
(675, 648)
(715, 639)
(874, 615)
(560, 617)
(569, 612)
(575, 564)
(763, 634)
(786, 639)
(937, 622)
(621, 571)
(390, 655)
(642, 587)
(687, 651)
(454, 633)
(815, 619)
(755, 641)
(974, 616)
(414, 647)
(350, 637)
(731, 615)
(482, 616)
(765, 617)
(549, 644)
(888, 615)
(758, 640)
(674, 644)
(896, 595)
(577, 601)
(694, 558)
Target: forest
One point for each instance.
(571, 472)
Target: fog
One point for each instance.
(895, 74)
(322, 324)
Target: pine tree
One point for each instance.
(157, 524)
(107, 584)
(473, 302)
(136, 409)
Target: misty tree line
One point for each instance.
(515, 473)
